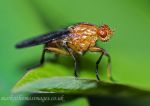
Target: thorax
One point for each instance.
(82, 37)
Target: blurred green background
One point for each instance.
(129, 47)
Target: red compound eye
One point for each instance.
(104, 32)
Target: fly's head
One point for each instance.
(105, 33)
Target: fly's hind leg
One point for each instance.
(51, 49)
(97, 49)
(57, 50)
(41, 60)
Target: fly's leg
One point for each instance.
(41, 61)
(51, 49)
(74, 58)
(97, 63)
(70, 52)
(43, 57)
(57, 50)
(97, 49)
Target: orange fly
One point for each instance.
(72, 41)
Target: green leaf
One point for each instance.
(76, 102)
(57, 79)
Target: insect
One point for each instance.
(72, 41)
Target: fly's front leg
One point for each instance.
(97, 49)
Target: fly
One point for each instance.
(72, 41)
